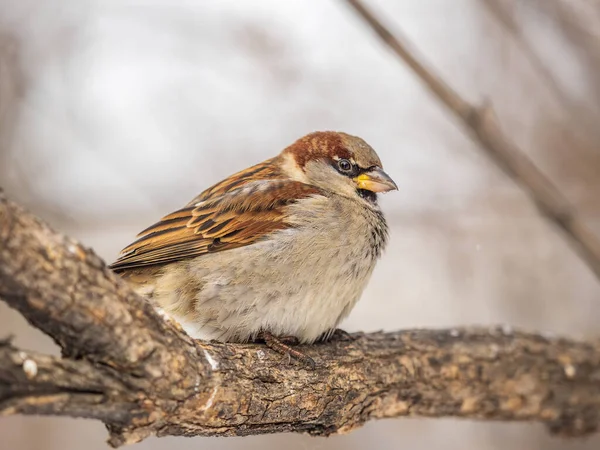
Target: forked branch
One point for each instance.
(141, 375)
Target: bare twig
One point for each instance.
(141, 375)
(577, 115)
(10, 90)
(578, 22)
(481, 123)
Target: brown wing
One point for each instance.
(236, 217)
(265, 170)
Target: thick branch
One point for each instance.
(481, 123)
(31, 383)
(141, 375)
(483, 374)
(66, 291)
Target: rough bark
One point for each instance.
(141, 375)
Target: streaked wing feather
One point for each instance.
(222, 219)
(265, 170)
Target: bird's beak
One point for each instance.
(375, 180)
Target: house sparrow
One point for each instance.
(279, 251)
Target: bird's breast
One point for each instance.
(301, 281)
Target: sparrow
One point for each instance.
(279, 252)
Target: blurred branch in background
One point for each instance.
(141, 375)
(482, 124)
(577, 115)
(11, 90)
(578, 22)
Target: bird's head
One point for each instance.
(339, 163)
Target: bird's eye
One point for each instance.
(345, 165)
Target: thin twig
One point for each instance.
(578, 116)
(482, 124)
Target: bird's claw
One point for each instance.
(282, 345)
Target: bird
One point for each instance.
(279, 252)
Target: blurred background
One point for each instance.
(114, 113)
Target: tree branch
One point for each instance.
(141, 375)
(32, 383)
(481, 123)
(578, 116)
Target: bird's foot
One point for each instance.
(282, 345)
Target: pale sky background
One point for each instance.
(114, 113)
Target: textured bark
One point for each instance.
(141, 375)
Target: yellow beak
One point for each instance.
(375, 180)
